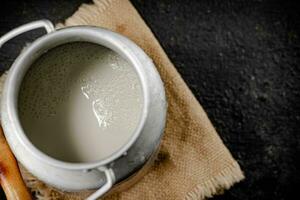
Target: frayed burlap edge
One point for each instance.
(86, 12)
(216, 185)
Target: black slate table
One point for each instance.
(240, 59)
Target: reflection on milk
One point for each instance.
(102, 114)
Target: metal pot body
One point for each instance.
(80, 176)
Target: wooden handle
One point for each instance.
(10, 176)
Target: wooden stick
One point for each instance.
(10, 176)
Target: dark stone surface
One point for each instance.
(241, 60)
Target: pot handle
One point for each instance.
(27, 27)
(110, 179)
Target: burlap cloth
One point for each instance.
(193, 163)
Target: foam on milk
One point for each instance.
(80, 102)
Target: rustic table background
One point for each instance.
(240, 59)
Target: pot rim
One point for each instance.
(116, 42)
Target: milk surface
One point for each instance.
(80, 102)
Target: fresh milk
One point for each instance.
(80, 102)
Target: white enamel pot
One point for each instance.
(102, 174)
